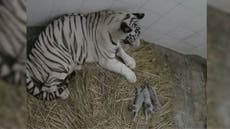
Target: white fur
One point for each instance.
(128, 60)
(115, 66)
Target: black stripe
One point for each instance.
(37, 67)
(90, 19)
(28, 68)
(59, 25)
(96, 45)
(95, 32)
(50, 51)
(48, 59)
(55, 94)
(70, 28)
(75, 45)
(80, 57)
(127, 17)
(35, 64)
(31, 91)
(83, 48)
(75, 22)
(111, 40)
(82, 27)
(93, 22)
(131, 21)
(62, 57)
(41, 61)
(50, 32)
(54, 38)
(51, 97)
(38, 95)
(63, 37)
(87, 23)
(111, 20)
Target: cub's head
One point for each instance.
(131, 26)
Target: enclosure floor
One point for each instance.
(12, 107)
(218, 69)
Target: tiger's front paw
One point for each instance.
(130, 62)
(131, 77)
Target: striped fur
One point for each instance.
(13, 41)
(70, 41)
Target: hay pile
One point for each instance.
(99, 98)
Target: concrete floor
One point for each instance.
(218, 69)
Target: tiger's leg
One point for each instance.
(61, 90)
(118, 67)
(128, 60)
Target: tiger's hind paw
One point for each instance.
(64, 94)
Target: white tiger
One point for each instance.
(71, 40)
(13, 41)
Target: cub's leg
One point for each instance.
(128, 60)
(118, 67)
(137, 104)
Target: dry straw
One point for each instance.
(99, 99)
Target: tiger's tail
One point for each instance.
(43, 92)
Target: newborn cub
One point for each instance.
(145, 96)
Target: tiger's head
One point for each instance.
(131, 26)
(124, 26)
(133, 37)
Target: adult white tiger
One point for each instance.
(71, 40)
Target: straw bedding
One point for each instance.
(99, 98)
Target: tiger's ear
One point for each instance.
(125, 28)
(139, 15)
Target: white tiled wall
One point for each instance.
(176, 24)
